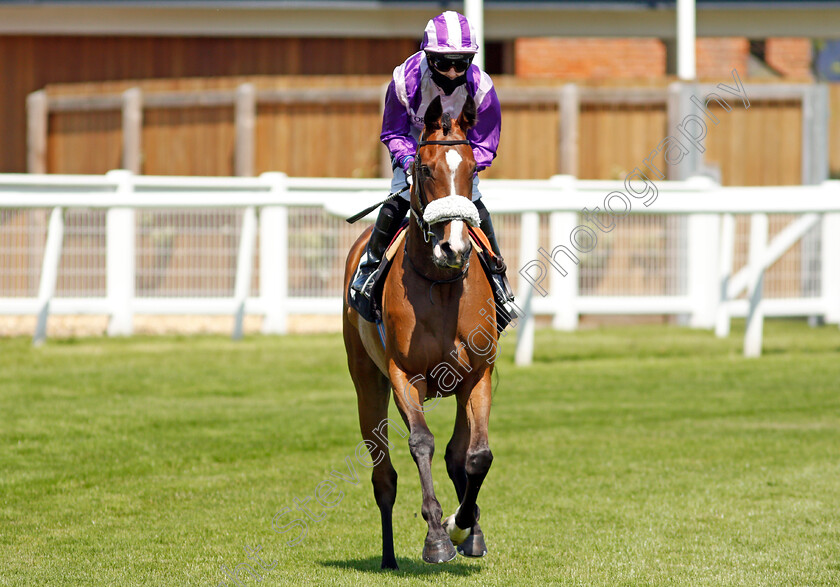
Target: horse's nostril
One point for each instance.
(446, 247)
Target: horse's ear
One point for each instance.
(433, 114)
(467, 118)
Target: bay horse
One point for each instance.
(439, 340)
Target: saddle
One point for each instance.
(371, 310)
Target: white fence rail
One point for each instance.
(557, 254)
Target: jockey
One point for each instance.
(443, 67)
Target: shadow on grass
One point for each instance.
(458, 567)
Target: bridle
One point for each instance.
(425, 227)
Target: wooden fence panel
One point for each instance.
(529, 142)
(615, 139)
(311, 126)
(758, 146)
(84, 142)
(192, 141)
(327, 140)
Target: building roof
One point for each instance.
(503, 19)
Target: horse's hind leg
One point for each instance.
(472, 545)
(373, 394)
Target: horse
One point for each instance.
(439, 340)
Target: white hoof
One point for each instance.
(456, 534)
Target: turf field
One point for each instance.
(624, 456)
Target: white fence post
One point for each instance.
(759, 226)
(831, 267)
(120, 258)
(529, 243)
(274, 260)
(703, 243)
(564, 290)
(727, 258)
(49, 273)
(244, 268)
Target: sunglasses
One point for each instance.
(445, 62)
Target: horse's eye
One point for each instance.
(425, 171)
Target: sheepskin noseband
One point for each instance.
(451, 208)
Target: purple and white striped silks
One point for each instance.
(449, 32)
(412, 90)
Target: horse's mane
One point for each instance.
(446, 123)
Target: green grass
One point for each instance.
(624, 456)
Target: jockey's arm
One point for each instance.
(484, 136)
(396, 127)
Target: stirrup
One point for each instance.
(360, 295)
(362, 282)
(504, 294)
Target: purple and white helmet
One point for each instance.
(449, 32)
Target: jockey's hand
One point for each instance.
(408, 167)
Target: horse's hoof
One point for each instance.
(456, 534)
(390, 564)
(440, 551)
(473, 546)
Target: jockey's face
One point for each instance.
(451, 65)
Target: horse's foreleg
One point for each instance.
(463, 525)
(409, 395)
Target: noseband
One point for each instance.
(425, 227)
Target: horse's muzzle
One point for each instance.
(448, 257)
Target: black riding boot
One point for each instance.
(501, 286)
(384, 229)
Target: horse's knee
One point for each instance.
(479, 461)
(421, 444)
(384, 486)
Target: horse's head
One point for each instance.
(441, 200)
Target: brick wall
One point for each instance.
(718, 56)
(595, 58)
(790, 56)
(589, 58)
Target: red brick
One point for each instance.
(589, 58)
(790, 56)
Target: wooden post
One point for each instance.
(37, 117)
(245, 115)
(132, 130)
(569, 116)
